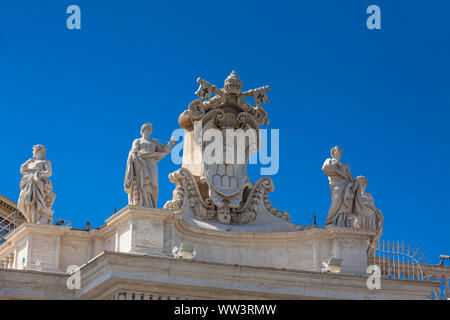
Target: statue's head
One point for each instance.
(39, 151)
(362, 182)
(146, 129)
(232, 83)
(336, 153)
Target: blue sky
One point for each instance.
(382, 95)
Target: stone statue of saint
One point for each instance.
(343, 188)
(141, 176)
(36, 197)
(351, 206)
(368, 216)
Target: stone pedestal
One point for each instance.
(35, 247)
(155, 232)
(139, 230)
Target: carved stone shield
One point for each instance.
(226, 182)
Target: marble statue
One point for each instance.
(221, 190)
(141, 176)
(36, 197)
(368, 217)
(351, 206)
(343, 188)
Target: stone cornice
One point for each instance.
(309, 234)
(5, 202)
(30, 284)
(129, 271)
(138, 211)
(110, 271)
(189, 230)
(198, 232)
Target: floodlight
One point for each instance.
(186, 251)
(333, 265)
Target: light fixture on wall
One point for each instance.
(333, 265)
(186, 251)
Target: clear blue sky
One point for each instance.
(382, 95)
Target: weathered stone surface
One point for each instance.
(141, 176)
(217, 188)
(155, 231)
(36, 197)
(113, 275)
(351, 206)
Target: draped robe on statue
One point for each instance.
(36, 197)
(343, 190)
(367, 215)
(141, 176)
(366, 212)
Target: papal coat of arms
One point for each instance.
(223, 131)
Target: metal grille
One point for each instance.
(397, 260)
(400, 261)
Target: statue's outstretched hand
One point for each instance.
(173, 141)
(168, 147)
(170, 144)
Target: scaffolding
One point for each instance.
(8, 224)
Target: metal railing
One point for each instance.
(400, 261)
(397, 260)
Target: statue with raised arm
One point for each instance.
(36, 197)
(141, 176)
(343, 188)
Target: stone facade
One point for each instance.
(130, 257)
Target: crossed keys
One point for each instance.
(260, 95)
(206, 89)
